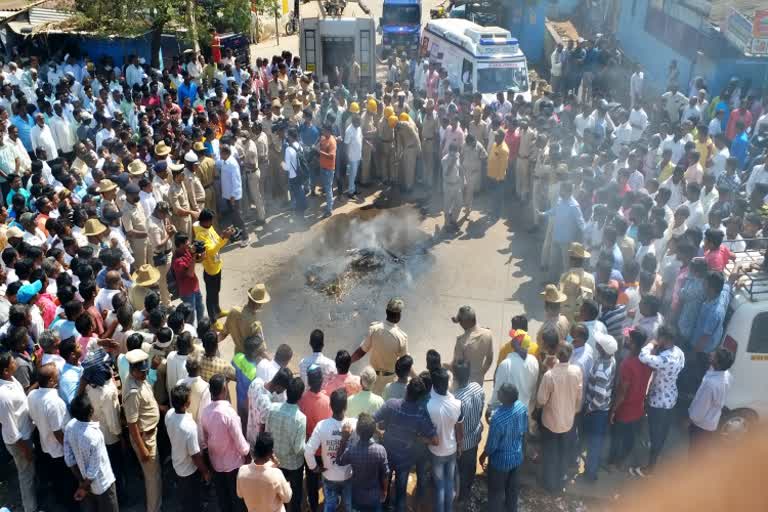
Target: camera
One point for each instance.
(237, 235)
(198, 246)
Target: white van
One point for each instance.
(746, 335)
(478, 59)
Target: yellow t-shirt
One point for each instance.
(213, 244)
(506, 348)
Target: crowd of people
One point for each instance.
(117, 182)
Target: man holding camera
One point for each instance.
(208, 243)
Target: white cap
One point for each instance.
(606, 342)
(190, 157)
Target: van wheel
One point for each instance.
(738, 423)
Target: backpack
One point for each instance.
(303, 165)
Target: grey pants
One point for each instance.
(452, 201)
(26, 470)
(255, 196)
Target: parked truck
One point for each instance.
(327, 47)
(400, 26)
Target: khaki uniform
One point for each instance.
(277, 177)
(134, 219)
(249, 166)
(480, 131)
(195, 191)
(453, 187)
(408, 148)
(577, 284)
(206, 173)
(472, 164)
(242, 322)
(560, 324)
(523, 166)
(178, 199)
(157, 232)
(141, 408)
(368, 127)
(385, 343)
(475, 346)
(430, 139)
(385, 161)
(542, 173)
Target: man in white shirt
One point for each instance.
(49, 413)
(638, 120)
(636, 86)
(232, 186)
(17, 430)
(291, 166)
(445, 412)
(186, 456)
(692, 112)
(716, 124)
(721, 156)
(759, 175)
(133, 72)
(697, 218)
(42, 138)
(353, 140)
(327, 437)
(556, 67)
(673, 102)
(86, 454)
(63, 134)
(317, 358)
(106, 131)
(519, 368)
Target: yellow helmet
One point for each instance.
(388, 112)
(372, 106)
(405, 117)
(354, 107)
(392, 121)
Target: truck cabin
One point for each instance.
(400, 24)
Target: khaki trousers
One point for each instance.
(140, 249)
(153, 485)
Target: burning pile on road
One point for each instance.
(366, 266)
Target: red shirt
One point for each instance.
(184, 270)
(316, 407)
(216, 48)
(637, 375)
(718, 258)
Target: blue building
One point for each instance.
(708, 38)
(525, 20)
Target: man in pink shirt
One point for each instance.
(226, 445)
(342, 378)
(453, 135)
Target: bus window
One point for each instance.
(466, 76)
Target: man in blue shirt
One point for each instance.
(567, 227)
(740, 144)
(503, 452)
(24, 123)
(309, 134)
(187, 89)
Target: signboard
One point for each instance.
(760, 24)
(739, 31)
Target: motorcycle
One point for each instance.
(293, 24)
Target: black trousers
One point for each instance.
(212, 290)
(556, 450)
(295, 478)
(62, 481)
(117, 461)
(467, 469)
(503, 490)
(314, 482)
(189, 490)
(226, 492)
(104, 502)
(237, 215)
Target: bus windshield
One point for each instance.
(514, 76)
(401, 15)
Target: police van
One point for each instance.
(478, 59)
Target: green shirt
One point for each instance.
(364, 401)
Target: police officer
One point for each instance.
(385, 343)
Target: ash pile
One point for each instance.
(363, 267)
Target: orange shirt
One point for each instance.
(328, 153)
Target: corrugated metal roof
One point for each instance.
(38, 16)
(721, 8)
(16, 5)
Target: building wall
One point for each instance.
(719, 62)
(526, 23)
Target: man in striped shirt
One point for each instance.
(612, 315)
(504, 450)
(472, 398)
(599, 389)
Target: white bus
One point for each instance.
(478, 59)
